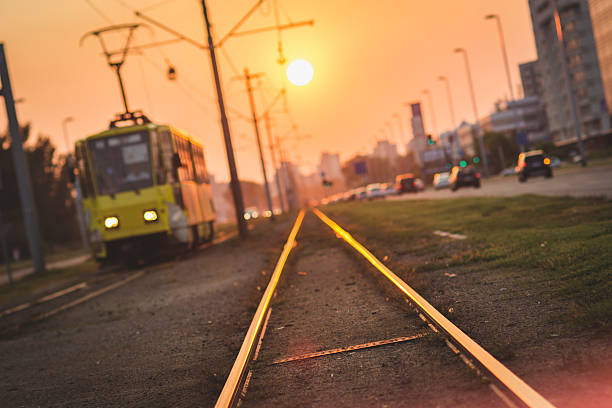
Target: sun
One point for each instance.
(300, 72)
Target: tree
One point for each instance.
(52, 193)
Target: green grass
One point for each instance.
(565, 242)
(40, 283)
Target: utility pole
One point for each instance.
(568, 80)
(229, 149)
(21, 169)
(248, 78)
(483, 152)
(274, 162)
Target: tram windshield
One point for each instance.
(121, 163)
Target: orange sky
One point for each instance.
(369, 59)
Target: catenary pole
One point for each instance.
(21, 169)
(274, 161)
(229, 149)
(248, 77)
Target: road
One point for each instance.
(595, 181)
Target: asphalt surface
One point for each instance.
(595, 181)
(168, 338)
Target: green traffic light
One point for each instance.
(476, 159)
(463, 163)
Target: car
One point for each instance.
(555, 162)
(250, 213)
(463, 177)
(375, 190)
(440, 180)
(389, 189)
(407, 183)
(533, 163)
(510, 171)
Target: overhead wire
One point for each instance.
(98, 11)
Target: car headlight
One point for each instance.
(111, 222)
(150, 216)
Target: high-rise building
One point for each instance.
(582, 63)
(385, 150)
(521, 115)
(531, 78)
(417, 144)
(601, 17)
(330, 167)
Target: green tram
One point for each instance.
(144, 187)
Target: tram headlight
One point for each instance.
(111, 222)
(150, 216)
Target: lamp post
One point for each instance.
(65, 129)
(433, 113)
(77, 186)
(485, 160)
(401, 128)
(503, 47)
(454, 140)
(450, 99)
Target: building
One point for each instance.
(466, 134)
(418, 143)
(522, 115)
(329, 166)
(601, 17)
(450, 143)
(583, 64)
(385, 150)
(330, 169)
(531, 79)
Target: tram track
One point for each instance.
(399, 345)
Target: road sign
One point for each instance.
(522, 138)
(361, 167)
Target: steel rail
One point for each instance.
(511, 381)
(231, 388)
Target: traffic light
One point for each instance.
(476, 159)
(430, 141)
(327, 183)
(463, 163)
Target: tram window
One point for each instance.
(158, 161)
(84, 174)
(122, 163)
(166, 154)
(186, 170)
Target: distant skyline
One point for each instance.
(369, 59)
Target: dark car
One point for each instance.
(407, 183)
(463, 177)
(533, 163)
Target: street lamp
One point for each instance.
(450, 99)
(65, 129)
(433, 113)
(503, 47)
(485, 160)
(401, 128)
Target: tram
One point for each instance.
(144, 186)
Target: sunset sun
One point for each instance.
(300, 72)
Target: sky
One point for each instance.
(370, 58)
